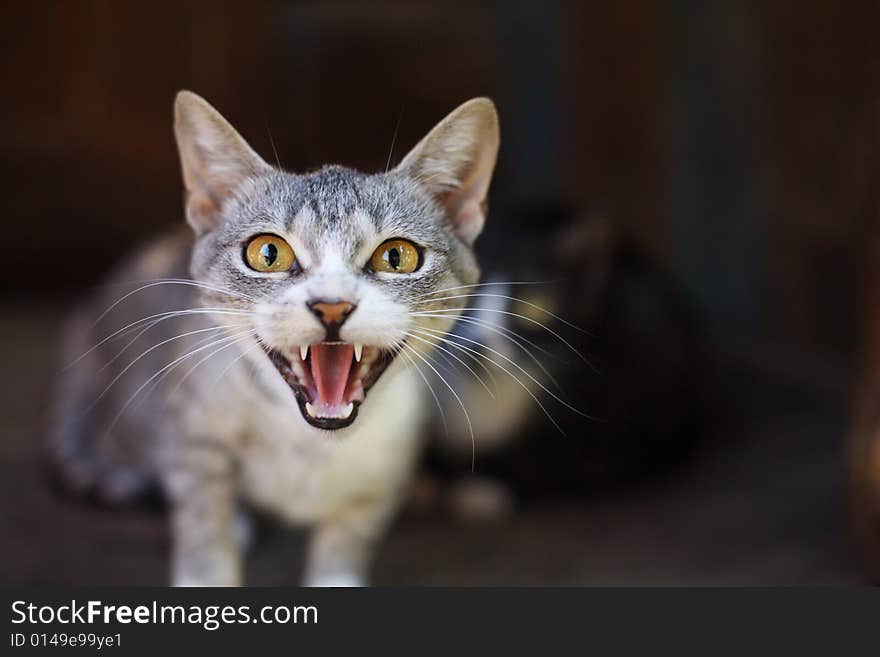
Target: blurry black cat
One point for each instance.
(643, 387)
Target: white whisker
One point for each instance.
(515, 378)
(198, 284)
(430, 388)
(195, 367)
(487, 284)
(173, 281)
(483, 367)
(457, 398)
(163, 315)
(139, 334)
(517, 366)
(443, 349)
(166, 368)
(503, 331)
(244, 353)
(443, 312)
(214, 341)
(393, 141)
(153, 348)
(508, 297)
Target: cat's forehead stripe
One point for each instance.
(341, 203)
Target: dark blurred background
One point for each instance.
(732, 144)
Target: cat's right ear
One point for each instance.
(454, 162)
(214, 158)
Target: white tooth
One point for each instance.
(311, 410)
(304, 351)
(348, 410)
(358, 350)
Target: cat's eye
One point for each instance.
(269, 253)
(396, 257)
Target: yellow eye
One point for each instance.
(269, 253)
(396, 257)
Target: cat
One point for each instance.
(284, 343)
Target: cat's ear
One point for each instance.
(214, 158)
(455, 163)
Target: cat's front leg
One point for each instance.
(205, 531)
(341, 548)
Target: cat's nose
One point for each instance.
(332, 314)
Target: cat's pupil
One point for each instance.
(269, 253)
(394, 258)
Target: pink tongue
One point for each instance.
(330, 366)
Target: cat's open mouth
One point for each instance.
(331, 379)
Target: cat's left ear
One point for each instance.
(214, 158)
(455, 163)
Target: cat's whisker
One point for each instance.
(199, 284)
(415, 365)
(483, 367)
(513, 335)
(457, 398)
(509, 298)
(139, 334)
(195, 367)
(274, 150)
(504, 331)
(440, 360)
(257, 344)
(170, 279)
(444, 312)
(173, 281)
(202, 341)
(512, 376)
(168, 367)
(443, 349)
(153, 348)
(196, 310)
(515, 364)
(487, 284)
(505, 357)
(125, 348)
(163, 315)
(500, 330)
(393, 141)
(210, 339)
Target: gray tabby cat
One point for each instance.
(287, 373)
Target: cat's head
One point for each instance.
(339, 274)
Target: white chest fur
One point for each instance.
(305, 474)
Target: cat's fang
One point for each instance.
(330, 383)
(304, 351)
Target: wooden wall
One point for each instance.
(731, 139)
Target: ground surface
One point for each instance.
(762, 503)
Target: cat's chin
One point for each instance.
(328, 381)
